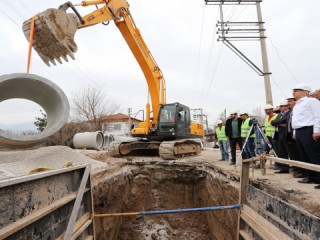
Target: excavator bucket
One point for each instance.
(54, 32)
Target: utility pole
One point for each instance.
(129, 122)
(201, 115)
(264, 54)
(240, 31)
(207, 126)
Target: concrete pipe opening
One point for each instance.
(90, 140)
(41, 91)
(108, 139)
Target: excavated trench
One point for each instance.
(162, 186)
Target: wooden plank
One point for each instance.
(27, 178)
(81, 229)
(20, 224)
(90, 200)
(245, 235)
(77, 203)
(85, 217)
(89, 237)
(244, 180)
(304, 165)
(261, 226)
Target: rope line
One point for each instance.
(31, 41)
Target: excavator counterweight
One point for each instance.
(54, 31)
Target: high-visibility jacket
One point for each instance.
(268, 127)
(245, 128)
(221, 134)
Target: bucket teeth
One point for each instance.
(54, 32)
(53, 62)
(65, 58)
(72, 56)
(59, 60)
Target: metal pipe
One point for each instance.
(174, 211)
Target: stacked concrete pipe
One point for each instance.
(89, 140)
(41, 91)
(108, 139)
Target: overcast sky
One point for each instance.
(199, 71)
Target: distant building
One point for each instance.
(119, 124)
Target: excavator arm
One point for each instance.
(54, 39)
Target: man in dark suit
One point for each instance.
(233, 132)
(280, 136)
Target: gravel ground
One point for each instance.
(19, 163)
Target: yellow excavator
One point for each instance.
(170, 131)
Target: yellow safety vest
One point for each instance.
(245, 128)
(268, 127)
(221, 134)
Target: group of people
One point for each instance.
(293, 133)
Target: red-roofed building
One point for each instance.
(119, 124)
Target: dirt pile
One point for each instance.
(19, 163)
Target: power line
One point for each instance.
(25, 7)
(9, 18)
(273, 80)
(199, 52)
(213, 74)
(281, 60)
(14, 9)
(240, 13)
(210, 58)
(209, 62)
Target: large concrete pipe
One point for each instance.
(108, 139)
(41, 91)
(90, 140)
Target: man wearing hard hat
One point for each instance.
(249, 149)
(280, 136)
(306, 125)
(222, 141)
(233, 132)
(269, 129)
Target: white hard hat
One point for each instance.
(289, 98)
(268, 106)
(284, 103)
(219, 121)
(302, 86)
(243, 112)
(233, 112)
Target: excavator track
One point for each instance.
(114, 149)
(168, 150)
(171, 150)
(136, 147)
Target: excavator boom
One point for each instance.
(54, 32)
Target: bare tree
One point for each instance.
(65, 135)
(91, 105)
(259, 115)
(223, 117)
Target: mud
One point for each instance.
(146, 186)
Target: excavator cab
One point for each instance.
(174, 121)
